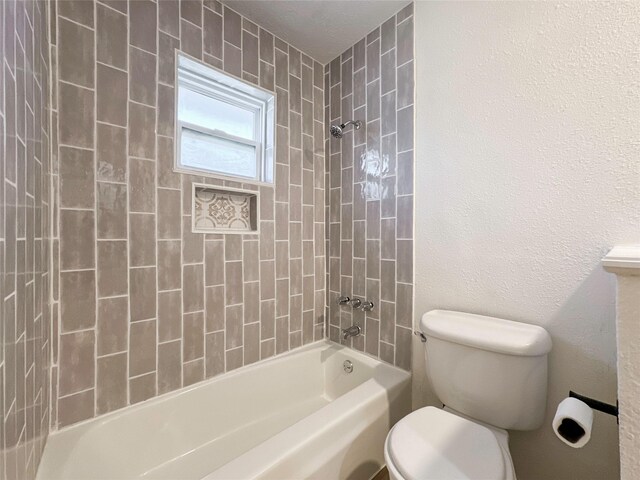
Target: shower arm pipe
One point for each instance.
(356, 123)
(337, 131)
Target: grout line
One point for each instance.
(127, 177)
(410, 17)
(66, 82)
(70, 20)
(109, 66)
(61, 397)
(156, 200)
(104, 4)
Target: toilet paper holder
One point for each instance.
(597, 404)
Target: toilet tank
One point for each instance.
(489, 369)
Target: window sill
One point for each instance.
(217, 176)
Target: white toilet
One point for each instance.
(491, 375)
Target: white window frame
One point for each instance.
(222, 86)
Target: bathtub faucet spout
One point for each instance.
(352, 331)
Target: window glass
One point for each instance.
(213, 114)
(224, 125)
(232, 157)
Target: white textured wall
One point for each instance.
(528, 167)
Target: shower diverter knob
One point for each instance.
(343, 300)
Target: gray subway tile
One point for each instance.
(77, 300)
(388, 35)
(373, 60)
(111, 383)
(169, 316)
(76, 115)
(112, 326)
(111, 153)
(77, 239)
(142, 388)
(111, 94)
(142, 350)
(142, 76)
(191, 39)
(111, 37)
(169, 367)
(214, 354)
(142, 240)
(405, 42)
(142, 284)
(76, 178)
(193, 288)
(232, 27)
(76, 362)
(112, 268)
(142, 24)
(405, 85)
(75, 53)
(142, 127)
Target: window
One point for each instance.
(224, 126)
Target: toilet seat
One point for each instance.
(432, 443)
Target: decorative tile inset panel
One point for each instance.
(224, 211)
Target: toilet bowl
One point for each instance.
(436, 444)
(492, 375)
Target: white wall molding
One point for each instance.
(624, 261)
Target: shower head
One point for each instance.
(337, 131)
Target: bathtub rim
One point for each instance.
(106, 417)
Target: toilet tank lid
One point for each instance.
(486, 333)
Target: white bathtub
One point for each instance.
(297, 415)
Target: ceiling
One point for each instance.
(322, 29)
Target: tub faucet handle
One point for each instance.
(367, 306)
(356, 303)
(343, 300)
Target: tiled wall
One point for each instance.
(145, 306)
(24, 237)
(370, 189)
